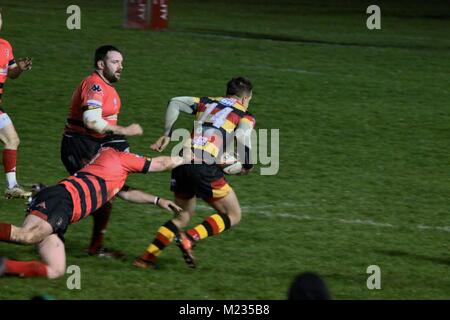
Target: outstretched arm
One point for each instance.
(175, 106)
(164, 163)
(138, 196)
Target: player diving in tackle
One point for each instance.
(54, 208)
(218, 121)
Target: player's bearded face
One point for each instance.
(113, 66)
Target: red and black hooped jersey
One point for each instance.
(216, 119)
(98, 182)
(6, 60)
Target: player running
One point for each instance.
(10, 68)
(72, 199)
(216, 121)
(92, 121)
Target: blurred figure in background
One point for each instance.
(10, 68)
(308, 286)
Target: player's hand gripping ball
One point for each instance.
(230, 164)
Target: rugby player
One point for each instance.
(10, 68)
(54, 208)
(92, 121)
(216, 121)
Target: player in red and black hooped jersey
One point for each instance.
(10, 68)
(54, 208)
(219, 121)
(93, 120)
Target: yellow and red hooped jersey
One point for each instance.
(92, 93)
(6, 60)
(216, 119)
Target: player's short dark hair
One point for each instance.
(102, 51)
(239, 86)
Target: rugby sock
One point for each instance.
(101, 218)
(5, 232)
(25, 269)
(164, 236)
(212, 225)
(9, 165)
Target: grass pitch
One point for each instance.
(364, 122)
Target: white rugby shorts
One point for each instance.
(4, 120)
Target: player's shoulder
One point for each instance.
(249, 117)
(224, 101)
(5, 43)
(206, 99)
(94, 83)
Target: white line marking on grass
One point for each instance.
(295, 70)
(261, 209)
(423, 227)
(366, 222)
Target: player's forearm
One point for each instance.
(174, 107)
(114, 129)
(93, 120)
(14, 73)
(244, 144)
(137, 196)
(245, 154)
(164, 163)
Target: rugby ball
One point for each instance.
(230, 164)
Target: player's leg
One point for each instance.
(33, 230)
(218, 193)
(184, 193)
(215, 190)
(101, 219)
(53, 264)
(168, 231)
(53, 254)
(10, 140)
(228, 214)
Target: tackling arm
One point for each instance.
(138, 196)
(164, 163)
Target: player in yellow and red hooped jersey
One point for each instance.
(10, 68)
(219, 117)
